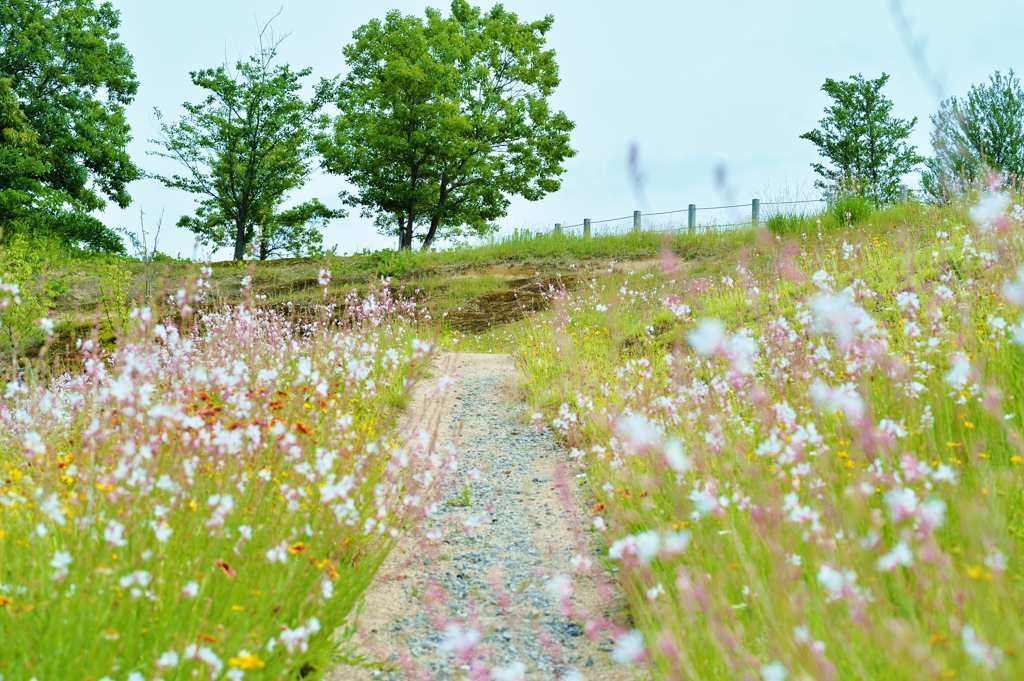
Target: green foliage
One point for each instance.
(245, 148)
(850, 209)
(389, 263)
(972, 136)
(866, 146)
(25, 262)
(22, 158)
(65, 81)
(295, 231)
(442, 120)
(113, 277)
(791, 224)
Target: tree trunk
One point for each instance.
(240, 239)
(436, 219)
(405, 226)
(434, 222)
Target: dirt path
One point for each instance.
(505, 535)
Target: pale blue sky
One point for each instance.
(694, 84)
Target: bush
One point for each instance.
(850, 209)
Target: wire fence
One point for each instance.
(691, 211)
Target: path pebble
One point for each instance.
(492, 577)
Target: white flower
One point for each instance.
(168, 659)
(996, 561)
(673, 543)
(839, 315)
(559, 587)
(1013, 291)
(647, 546)
(707, 338)
(629, 647)
(278, 554)
(842, 399)
(900, 555)
(161, 529)
(773, 671)
(990, 206)
(835, 581)
(902, 502)
(655, 591)
(114, 534)
(190, 590)
(892, 428)
(639, 433)
(676, 457)
(907, 299)
(60, 562)
(513, 672)
(959, 371)
(459, 641)
(980, 653)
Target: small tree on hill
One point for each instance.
(245, 148)
(972, 136)
(866, 146)
(442, 120)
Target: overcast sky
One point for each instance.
(695, 85)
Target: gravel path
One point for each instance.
(492, 576)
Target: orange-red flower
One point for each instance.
(225, 567)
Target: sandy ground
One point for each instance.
(493, 577)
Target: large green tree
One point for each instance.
(65, 81)
(245, 148)
(443, 119)
(866, 146)
(980, 133)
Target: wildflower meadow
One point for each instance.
(210, 498)
(806, 463)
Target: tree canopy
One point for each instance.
(443, 119)
(65, 81)
(245, 148)
(980, 133)
(866, 146)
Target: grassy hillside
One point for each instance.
(802, 444)
(805, 455)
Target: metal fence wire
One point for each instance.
(691, 220)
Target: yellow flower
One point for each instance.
(246, 661)
(977, 572)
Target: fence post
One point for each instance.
(691, 217)
(586, 228)
(558, 229)
(903, 193)
(755, 211)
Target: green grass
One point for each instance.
(732, 601)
